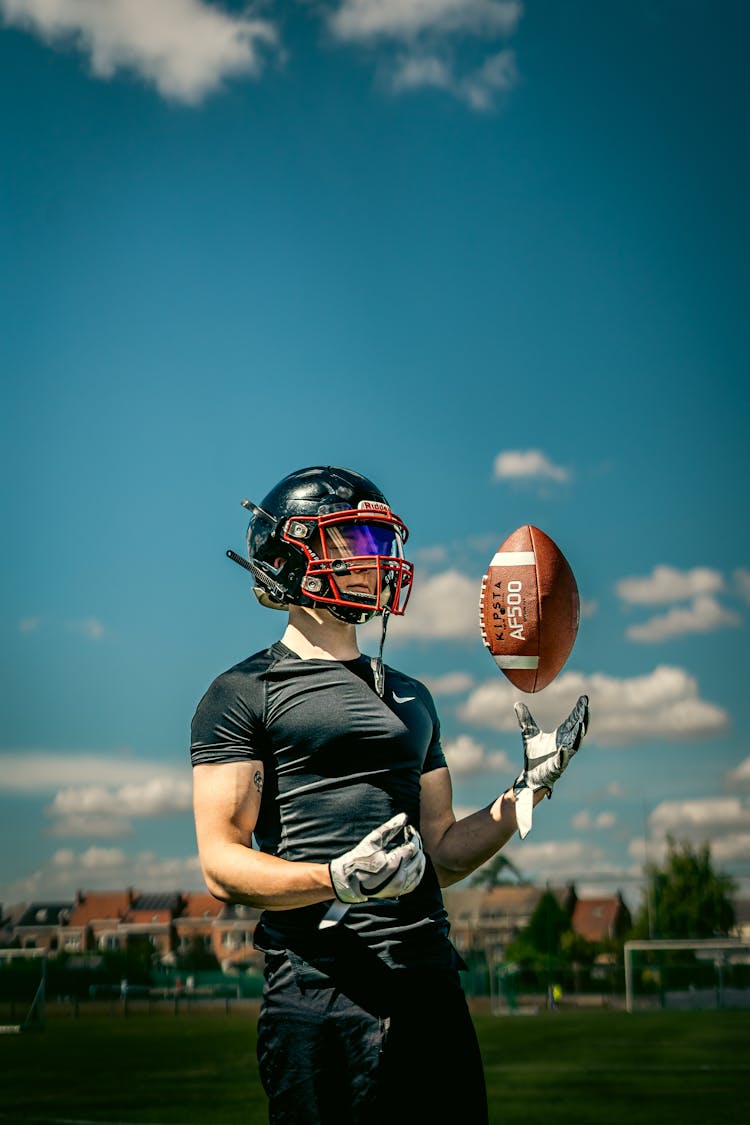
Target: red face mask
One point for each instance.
(359, 545)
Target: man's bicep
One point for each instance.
(226, 801)
(435, 808)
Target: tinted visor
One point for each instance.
(355, 540)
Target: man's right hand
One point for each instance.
(387, 863)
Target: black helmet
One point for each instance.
(321, 522)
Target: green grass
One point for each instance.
(199, 1068)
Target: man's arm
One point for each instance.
(389, 861)
(458, 847)
(226, 802)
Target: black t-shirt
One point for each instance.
(338, 761)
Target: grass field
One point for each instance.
(198, 1068)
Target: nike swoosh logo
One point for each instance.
(398, 699)
(534, 762)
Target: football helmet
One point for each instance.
(317, 526)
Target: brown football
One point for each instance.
(529, 609)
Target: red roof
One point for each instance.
(93, 905)
(201, 905)
(144, 916)
(595, 919)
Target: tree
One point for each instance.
(493, 873)
(547, 925)
(542, 936)
(686, 898)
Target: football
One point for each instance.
(529, 609)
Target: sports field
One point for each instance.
(198, 1068)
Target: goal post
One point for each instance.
(722, 951)
(23, 990)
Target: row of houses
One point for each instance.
(178, 923)
(173, 923)
(487, 919)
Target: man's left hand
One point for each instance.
(546, 756)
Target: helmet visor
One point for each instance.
(359, 540)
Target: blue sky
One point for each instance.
(491, 254)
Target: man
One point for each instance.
(333, 762)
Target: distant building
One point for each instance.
(486, 919)
(601, 919)
(233, 937)
(9, 919)
(195, 925)
(483, 920)
(39, 925)
(94, 923)
(151, 918)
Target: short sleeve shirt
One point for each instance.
(338, 761)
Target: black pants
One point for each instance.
(340, 1051)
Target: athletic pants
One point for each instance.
(344, 1053)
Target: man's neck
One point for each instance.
(313, 634)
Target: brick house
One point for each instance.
(196, 922)
(10, 916)
(601, 919)
(233, 937)
(488, 918)
(39, 926)
(151, 917)
(94, 922)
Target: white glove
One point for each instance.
(389, 862)
(546, 756)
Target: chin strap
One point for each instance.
(377, 662)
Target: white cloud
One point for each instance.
(428, 556)
(732, 848)
(443, 607)
(99, 868)
(741, 774)
(721, 822)
(88, 627)
(497, 75)
(452, 683)
(554, 859)
(529, 464)
(584, 820)
(366, 20)
(97, 811)
(663, 705)
(42, 771)
(413, 72)
(185, 48)
(667, 584)
(97, 795)
(709, 816)
(91, 825)
(703, 615)
(615, 789)
(466, 756)
(419, 44)
(742, 583)
(478, 88)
